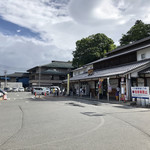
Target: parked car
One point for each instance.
(47, 91)
(41, 90)
(8, 89)
(28, 89)
(15, 89)
(21, 89)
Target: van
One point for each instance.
(40, 90)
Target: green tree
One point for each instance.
(136, 32)
(91, 48)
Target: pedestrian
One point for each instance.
(81, 91)
(117, 93)
(57, 92)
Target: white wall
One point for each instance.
(145, 51)
(11, 84)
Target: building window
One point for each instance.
(142, 56)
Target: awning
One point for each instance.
(146, 71)
(119, 70)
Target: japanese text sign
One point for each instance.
(140, 92)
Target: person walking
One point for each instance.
(57, 92)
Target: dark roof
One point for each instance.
(118, 70)
(56, 64)
(19, 74)
(129, 45)
(116, 55)
(32, 68)
(53, 72)
(59, 64)
(146, 71)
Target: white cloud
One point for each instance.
(61, 23)
(105, 10)
(18, 31)
(21, 53)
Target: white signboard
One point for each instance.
(140, 92)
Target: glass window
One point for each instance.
(142, 56)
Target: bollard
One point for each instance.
(45, 93)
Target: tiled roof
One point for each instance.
(120, 70)
(59, 64)
(146, 71)
(18, 74)
(129, 45)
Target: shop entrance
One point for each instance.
(101, 88)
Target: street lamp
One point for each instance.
(39, 76)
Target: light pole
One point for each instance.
(39, 76)
(5, 72)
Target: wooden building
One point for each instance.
(122, 68)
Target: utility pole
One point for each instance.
(5, 72)
(39, 76)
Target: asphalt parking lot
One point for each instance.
(63, 123)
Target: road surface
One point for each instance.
(60, 123)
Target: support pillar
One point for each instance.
(128, 86)
(79, 88)
(107, 89)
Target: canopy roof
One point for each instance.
(118, 70)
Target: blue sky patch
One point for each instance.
(9, 28)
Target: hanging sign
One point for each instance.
(140, 92)
(90, 72)
(122, 79)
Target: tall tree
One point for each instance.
(91, 48)
(136, 32)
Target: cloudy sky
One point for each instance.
(35, 32)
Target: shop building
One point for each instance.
(113, 76)
(14, 79)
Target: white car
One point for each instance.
(15, 89)
(40, 90)
(21, 89)
(8, 89)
